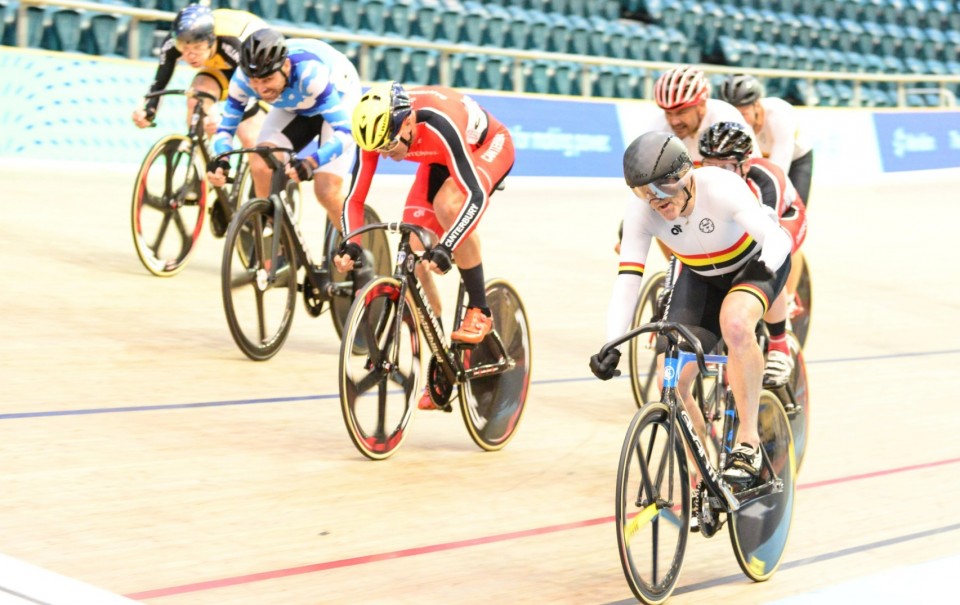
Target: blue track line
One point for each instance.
(213, 404)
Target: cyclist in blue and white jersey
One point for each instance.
(312, 89)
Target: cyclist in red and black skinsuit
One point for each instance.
(464, 153)
(729, 145)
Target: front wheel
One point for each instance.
(259, 301)
(760, 528)
(492, 405)
(643, 349)
(379, 368)
(169, 200)
(652, 504)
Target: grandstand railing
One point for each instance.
(905, 83)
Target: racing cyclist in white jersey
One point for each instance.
(776, 127)
(736, 260)
(312, 89)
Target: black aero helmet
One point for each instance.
(194, 23)
(262, 53)
(655, 156)
(740, 90)
(726, 140)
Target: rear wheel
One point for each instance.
(653, 505)
(259, 308)
(799, 412)
(492, 405)
(760, 528)
(643, 349)
(375, 242)
(169, 199)
(801, 307)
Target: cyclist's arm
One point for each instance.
(168, 61)
(331, 106)
(239, 96)
(364, 167)
(634, 249)
(759, 222)
(464, 173)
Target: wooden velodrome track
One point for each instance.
(140, 452)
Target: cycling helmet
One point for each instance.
(725, 140)
(194, 23)
(262, 53)
(680, 88)
(379, 114)
(655, 158)
(740, 90)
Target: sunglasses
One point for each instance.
(390, 145)
(731, 165)
(663, 188)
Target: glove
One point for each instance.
(754, 270)
(221, 163)
(442, 256)
(353, 250)
(605, 368)
(150, 113)
(304, 173)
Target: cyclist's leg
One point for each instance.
(250, 124)
(801, 175)
(329, 179)
(419, 211)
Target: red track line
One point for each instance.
(433, 548)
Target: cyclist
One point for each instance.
(209, 41)
(736, 261)
(464, 153)
(728, 145)
(776, 126)
(683, 94)
(312, 89)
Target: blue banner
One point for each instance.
(918, 141)
(552, 137)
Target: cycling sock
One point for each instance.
(476, 290)
(778, 337)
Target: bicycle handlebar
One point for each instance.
(661, 327)
(423, 234)
(187, 92)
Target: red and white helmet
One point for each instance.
(680, 88)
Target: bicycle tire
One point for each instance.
(378, 430)
(759, 530)
(668, 475)
(800, 416)
(492, 406)
(376, 242)
(163, 251)
(642, 350)
(800, 318)
(246, 264)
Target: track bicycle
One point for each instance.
(653, 495)
(381, 358)
(262, 256)
(170, 193)
(653, 305)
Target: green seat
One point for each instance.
(390, 62)
(497, 27)
(537, 75)
(423, 66)
(64, 31)
(373, 16)
(103, 34)
(347, 14)
(518, 28)
(466, 69)
(294, 11)
(399, 17)
(560, 34)
(567, 79)
(579, 36)
(603, 79)
(426, 21)
(451, 26)
(540, 26)
(268, 10)
(497, 73)
(629, 83)
(321, 13)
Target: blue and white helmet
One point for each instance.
(194, 23)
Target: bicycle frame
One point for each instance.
(675, 360)
(405, 273)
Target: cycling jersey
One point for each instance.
(455, 138)
(717, 111)
(726, 228)
(774, 190)
(781, 139)
(322, 83)
(231, 28)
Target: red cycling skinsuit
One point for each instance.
(455, 138)
(773, 189)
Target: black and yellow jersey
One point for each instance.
(231, 28)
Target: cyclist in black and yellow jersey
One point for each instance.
(209, 41)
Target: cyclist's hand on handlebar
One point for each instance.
(349, 256)
(217, 171)
(605, 368)
(439, 259)
(300, 170)
(143, 118)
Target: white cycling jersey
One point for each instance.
(781, 139)
(717, 111)
(726, 228)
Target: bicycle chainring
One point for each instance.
(708, 518)
(438, 386)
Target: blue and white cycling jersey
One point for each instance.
(322, 82)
